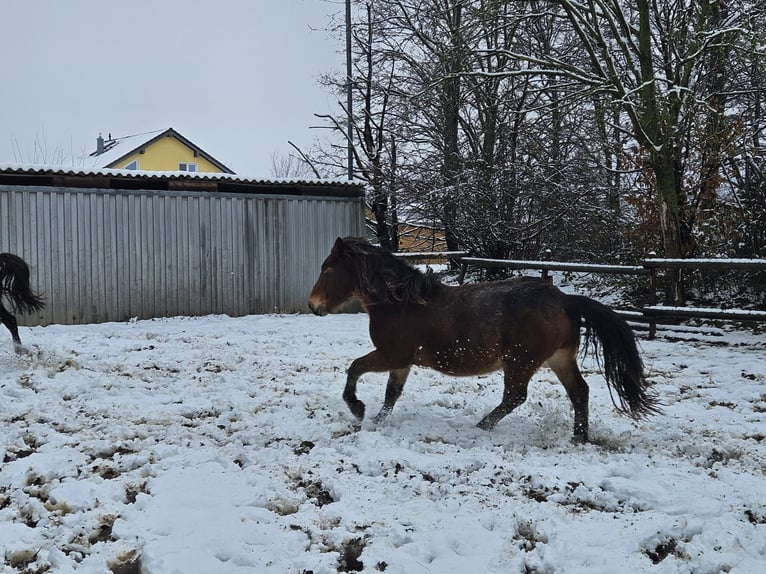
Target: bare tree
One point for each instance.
(373, 137)
(524, 125)
(662, 61)
(495, 146)
(290, 167)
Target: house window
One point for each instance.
(132, 165)
(187, 167)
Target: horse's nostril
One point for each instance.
(318, 309)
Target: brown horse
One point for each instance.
(14, 286)
(516, 325)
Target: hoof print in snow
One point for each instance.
(349, 556)
(21, 560)
(316, 491)
(663, 550)
(127, 563)
(752, 517)
(528, 537)
(304, 448)
(133, 490)
(104, 531)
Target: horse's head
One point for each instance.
(337, 281)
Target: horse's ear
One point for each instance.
(337, 249)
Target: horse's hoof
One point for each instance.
(486, 425)
(381, 416)
(357, 409)
(580, 439)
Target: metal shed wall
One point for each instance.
(110, 255)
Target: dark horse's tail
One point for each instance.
(14, 284)
(622, 365)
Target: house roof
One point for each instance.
(116, 149)
(58, 176)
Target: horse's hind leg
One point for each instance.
(564, 364)
(12, 324)
(514, 393)
(396, 380)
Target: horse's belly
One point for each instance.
(460, 361)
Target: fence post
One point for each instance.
(463, 269)
(652, 299)
(546, 256)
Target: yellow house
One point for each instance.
(163, 150)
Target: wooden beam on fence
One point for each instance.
(557, 266)
(706, 313)
(714, 264)
(419, 255)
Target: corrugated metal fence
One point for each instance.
(109, 255)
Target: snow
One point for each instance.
(724, 260)
(220, 444)
(555, 265)
(43, 169)
(116, 148)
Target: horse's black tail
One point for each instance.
(622, 364)
(14, 284)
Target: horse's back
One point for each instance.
(533, 317)
(509, 300)
(476, 328)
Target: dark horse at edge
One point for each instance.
(14, 286)
(517, 325)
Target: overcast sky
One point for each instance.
(236, 77)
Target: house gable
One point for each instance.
(166, 151)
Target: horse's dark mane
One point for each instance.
(384, 278)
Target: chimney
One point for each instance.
(99, 145)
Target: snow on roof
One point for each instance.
(38, 169)
(115, 148)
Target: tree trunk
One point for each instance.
(667, 199)
(451, 166)
(659, 141)
(393, 201)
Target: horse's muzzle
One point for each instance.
(319, 310)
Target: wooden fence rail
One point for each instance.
(651, 313)
(714, 264)
(429, 256)
(546, 266)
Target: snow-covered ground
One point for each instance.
(220, 444)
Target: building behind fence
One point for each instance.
(113, 245)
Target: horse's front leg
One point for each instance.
(371, 362)
(394, 387)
